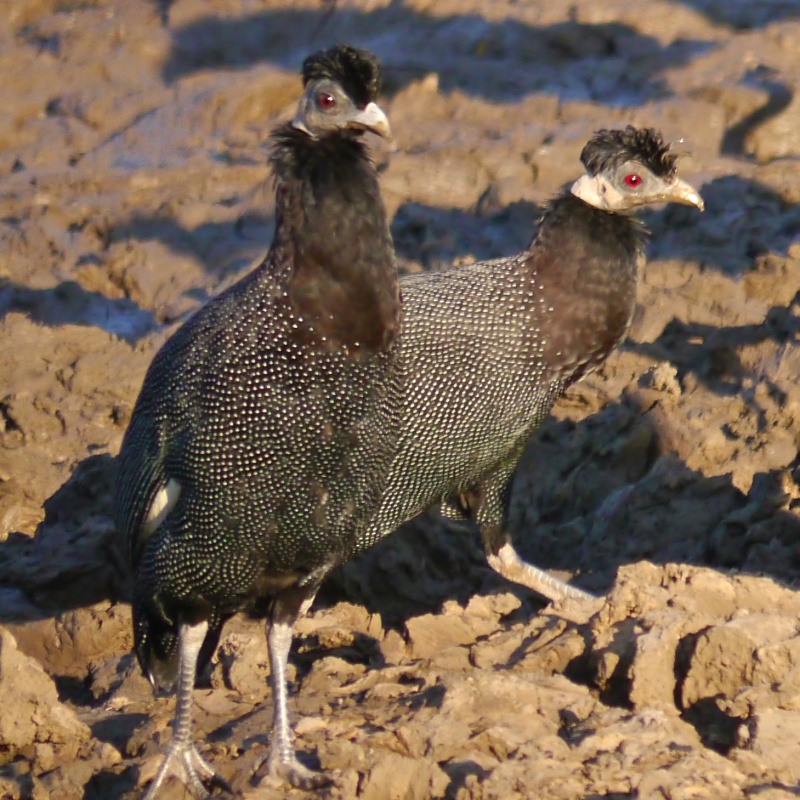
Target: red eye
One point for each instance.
(325, 101)
(632, 180)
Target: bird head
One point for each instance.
(629, 168)
(341, 85)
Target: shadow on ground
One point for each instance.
(743, 14)
(601, 67)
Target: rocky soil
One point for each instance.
(134, 185)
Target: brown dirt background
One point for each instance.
(134, 185)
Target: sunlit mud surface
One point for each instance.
(134, 185)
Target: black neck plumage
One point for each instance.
(331, 223)
(593, 232)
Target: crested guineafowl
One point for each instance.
(488, 348)
(260, 442)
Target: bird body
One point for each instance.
(261, 439)
(502, 368)
(489, 347)
(293, 422)
(264, 396)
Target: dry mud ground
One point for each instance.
(133, 185)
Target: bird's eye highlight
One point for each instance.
(326, 101)
(633, 180)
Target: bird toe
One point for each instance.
(301, 777)
(294, 773)
(185, 763)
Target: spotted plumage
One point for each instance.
(488, 348)
(261, 439)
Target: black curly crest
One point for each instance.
(610, 148)
(356, 71)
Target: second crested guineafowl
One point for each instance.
(261, 440)
(488, 348)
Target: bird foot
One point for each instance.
(508, 564)
(184, 762)
(293, 772)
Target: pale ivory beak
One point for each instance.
(683, 192)
(373, 119)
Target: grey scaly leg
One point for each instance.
(508, 563)
(282, 760)
(182, 759)
(488, 502)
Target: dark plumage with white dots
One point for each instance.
(261, 440)
(488, 348)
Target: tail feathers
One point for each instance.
(157, 641)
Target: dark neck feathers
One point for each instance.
(584, 264)
(332, 228)
(594, 234)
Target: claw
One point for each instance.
(293, 772)
(185, 763)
